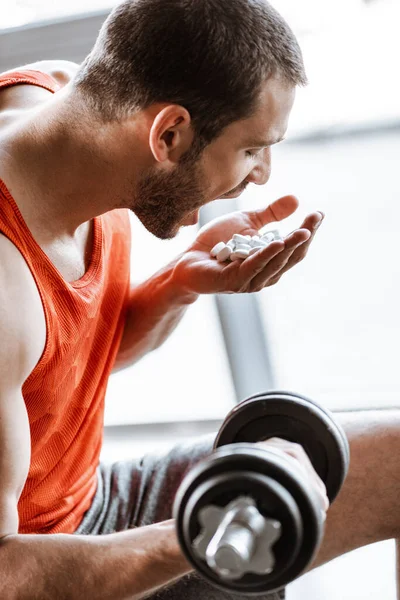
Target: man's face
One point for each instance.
(164, 202)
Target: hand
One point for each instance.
(198, 273)
(299, 458)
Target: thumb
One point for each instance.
(278, 210)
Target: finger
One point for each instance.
(297, 452)
(272, 281)
(302, 455)
(297, 459)
(275, 267)
(257, 262)
(278, 210)
(312, 223)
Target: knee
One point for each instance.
(373, 484)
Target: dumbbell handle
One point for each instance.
(231, 548)
(233, 537)
(233, 551)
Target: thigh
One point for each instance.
(137, 493)
(367, 508)
(141, 491)
(161, 476)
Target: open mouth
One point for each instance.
(234, 194)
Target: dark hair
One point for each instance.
(210, 56)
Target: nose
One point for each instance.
(261, 171)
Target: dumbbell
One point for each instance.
(247, 519)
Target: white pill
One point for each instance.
(254, 241)
(268, 237)
(224, 253)
(231, 244)
(260, 244)
(272, 235)
(237, 254)
(242, 247)
(253, 251)
(275, 233)
(248, 237)
(217, 248)
(240, 239)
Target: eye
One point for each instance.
(252, 153)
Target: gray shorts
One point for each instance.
(140, 492)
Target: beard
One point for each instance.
(163, 200)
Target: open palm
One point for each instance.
(201, 274)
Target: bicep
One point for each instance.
(14, 456)
(22, 334)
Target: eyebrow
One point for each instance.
(254, 143)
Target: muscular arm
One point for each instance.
(155, 308)
(122, 565)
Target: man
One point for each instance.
(177, 105)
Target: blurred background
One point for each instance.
(330, 328)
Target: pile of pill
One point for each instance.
(242, 246)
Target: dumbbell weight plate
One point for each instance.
(280, 492)
(296, 419)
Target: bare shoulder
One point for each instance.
(17, 98)
(22, 320)
(63, 71)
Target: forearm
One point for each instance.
(155, 309)
(130, 564)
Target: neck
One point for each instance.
(73, 174)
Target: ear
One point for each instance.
(171, 133)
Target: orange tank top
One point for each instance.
(64, 394)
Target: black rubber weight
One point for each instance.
(298, 419)
(247, 469)
(328, 413)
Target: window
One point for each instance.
(350, 66)
(333, 321)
